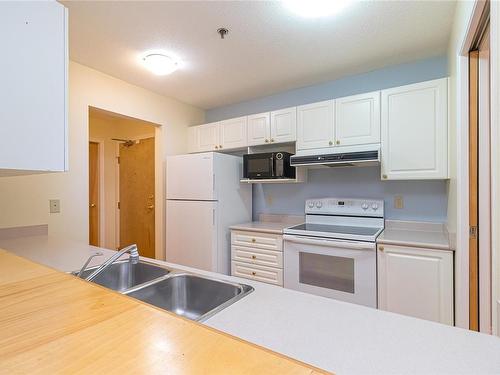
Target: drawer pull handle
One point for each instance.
(253, 239)
(254, 273)
(254, 257)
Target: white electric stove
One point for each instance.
(333, 254)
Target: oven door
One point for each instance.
(259, 166)
(343, 270)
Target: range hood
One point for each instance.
(355, 156)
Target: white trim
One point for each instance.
(462, 239)
(495, 160)
(102, 190)
(484, 175)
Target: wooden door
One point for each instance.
(414, 131)
(357, 119)
(259, 131)
(233, 133)
(284, 125)
(416, 282)
(315, 125)
(473, 193)
(94, 193)
(137, 199)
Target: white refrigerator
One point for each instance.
(204, 198)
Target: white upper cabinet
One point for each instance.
(357, 119)
(259, 129)
(315, 125)
(207, 137)
(233, 133)
(284, 125)
(415, 131)
(416, 282)
(33, 89)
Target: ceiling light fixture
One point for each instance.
(316, 8)
(159, 63)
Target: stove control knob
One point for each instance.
(375, 206)
(319, 204)
(310, 204)
(364, 206)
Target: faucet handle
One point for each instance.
(82, 270)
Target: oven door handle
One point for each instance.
(325, 242)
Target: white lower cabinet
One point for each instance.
(416, 282)
(257, 256)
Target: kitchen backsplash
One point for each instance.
(422, 200)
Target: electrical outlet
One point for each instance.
(55, 206)
(269, 199)
(398, 202)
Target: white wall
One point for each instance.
(456, 217)
(24, 200)
(103, 128)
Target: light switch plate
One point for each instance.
(398, 202)
(55, 206)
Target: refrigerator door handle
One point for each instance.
(213, 217)
(213, 183)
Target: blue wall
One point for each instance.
(391, 76)
(423, 200)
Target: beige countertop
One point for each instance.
(295, 324)
(262, 226)
(270, 223)
(416, 234)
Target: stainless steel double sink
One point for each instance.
(192, 296)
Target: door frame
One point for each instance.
(462, 239)
(102, 213)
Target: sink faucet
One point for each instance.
(84, 267)
(133, 256)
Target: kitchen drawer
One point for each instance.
(259, 273)
(254, 255)
(259, 240)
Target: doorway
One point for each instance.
(123, 182)
(480, 280)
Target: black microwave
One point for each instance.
(268, 165)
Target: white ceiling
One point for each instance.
(268, 49)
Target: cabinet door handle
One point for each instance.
(381, 248)
(254, 257)
(254, 273)
(330, 143)
(216, 147)
(338, 142)
(272, 139)
(384, 176)
(267, 141)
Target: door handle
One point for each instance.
(325, 242)
(92, 205)
(150, 207)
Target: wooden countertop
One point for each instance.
(52, 322)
